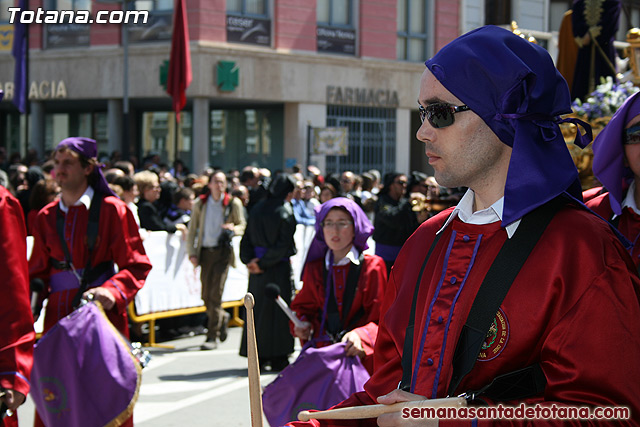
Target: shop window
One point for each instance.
(245, 137)
(372, 136)
(59, 126)
(412, 30)
(159, 136)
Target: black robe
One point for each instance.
(609, 19)
(271, 225)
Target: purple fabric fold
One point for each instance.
(83, 372)
(319, 379)
(66, 280)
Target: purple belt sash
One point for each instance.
(260, 252)
(66, 280)
(387, 252)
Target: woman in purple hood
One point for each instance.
(342, 286)
(616, 164)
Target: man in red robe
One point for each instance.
(17, 337)
(117, 242)
(490, 104)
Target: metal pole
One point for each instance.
(26, 88)
(125, 87)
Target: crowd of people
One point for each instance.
(519, 283)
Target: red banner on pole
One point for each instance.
(179, 76)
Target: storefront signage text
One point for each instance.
(362, 96)
(41, 90)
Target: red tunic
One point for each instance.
(309, 302)
(118, 241)
(17, 337)
(628, 225)
(572, 308)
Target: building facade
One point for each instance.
(266, 74)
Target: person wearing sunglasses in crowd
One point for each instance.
(342, 287)
(561, 321)
(394, 220)
(616, 164)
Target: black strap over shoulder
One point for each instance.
(336, 324)
(407, 348)
(496, 284)
(92, 237)
(492, 292)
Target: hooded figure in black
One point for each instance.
(265, 248)
(394, 220)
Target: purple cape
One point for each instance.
(514, 87)
(608, 152)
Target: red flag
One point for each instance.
(179, 76)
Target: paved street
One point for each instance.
(187, 386)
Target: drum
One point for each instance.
(84, 372)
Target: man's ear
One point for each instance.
(88, 170)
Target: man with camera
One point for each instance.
(215, 219)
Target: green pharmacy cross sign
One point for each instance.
(227, 76)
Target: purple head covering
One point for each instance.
(514, 87)
(361, 226)
(89, 149)
(608, 152)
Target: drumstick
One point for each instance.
(374, 411)
(255, 399)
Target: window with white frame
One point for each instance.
(335, 32)
(412, 43)
(247, 7)
(335, 13)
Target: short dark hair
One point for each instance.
(182, 194)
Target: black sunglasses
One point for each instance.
(632, 135)
(440, 115)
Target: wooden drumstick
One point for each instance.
(374, 411)
(255, 398)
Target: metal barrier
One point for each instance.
(235, 320)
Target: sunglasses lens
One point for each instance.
(633, 138)
(632, 135)
(440, 116)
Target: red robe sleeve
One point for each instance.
(18, 336)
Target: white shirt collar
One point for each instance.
(352, 256)
(630, 200)
(464, 211)
(85, 199)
